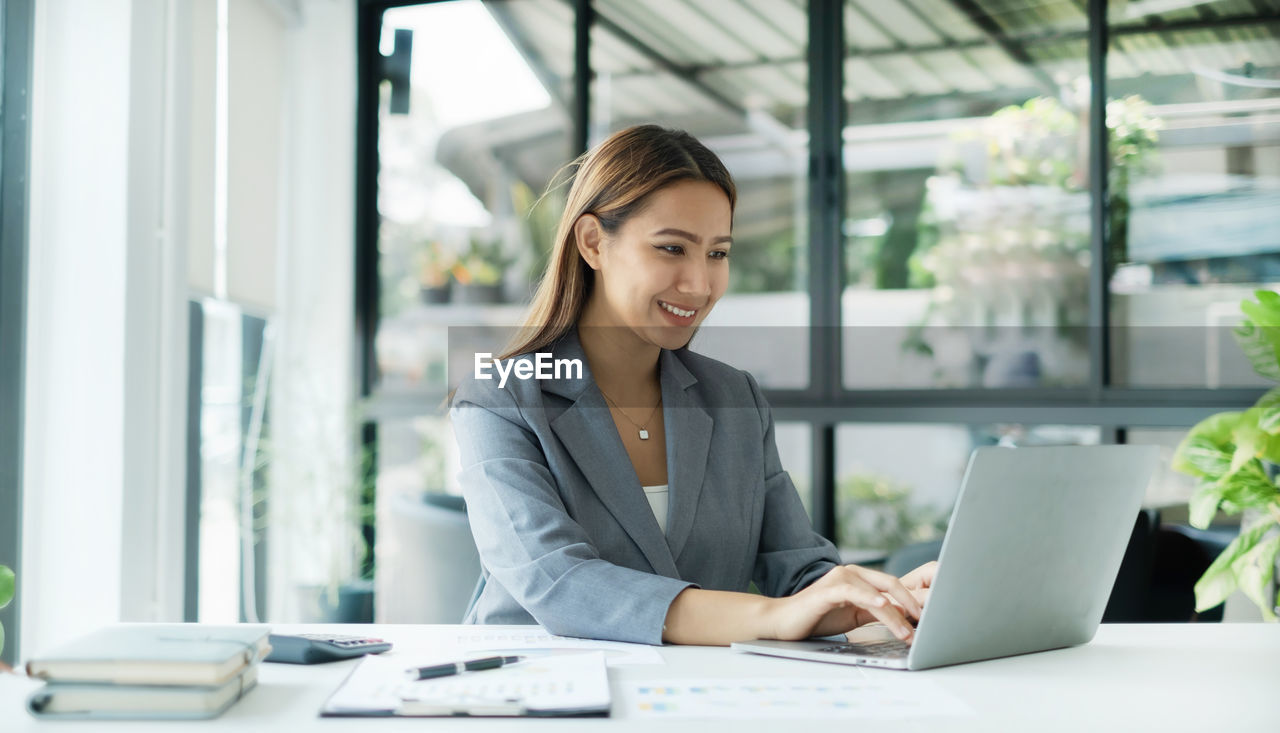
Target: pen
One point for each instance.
(472, 665)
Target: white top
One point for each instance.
(657, 496)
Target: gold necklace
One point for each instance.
(644, 429)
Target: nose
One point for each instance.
(695, 278)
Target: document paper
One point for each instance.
(757, 699)
(564, 684)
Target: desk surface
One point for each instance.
(1201, 677)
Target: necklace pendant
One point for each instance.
(644, 434)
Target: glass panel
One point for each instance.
(742, 90)
(1195, 191)
(464, 230)
(223, 399)
(896, 484)
(967, 229)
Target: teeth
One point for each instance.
(677, 311)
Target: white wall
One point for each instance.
(119, 191)
(313, 385)
(73, 484)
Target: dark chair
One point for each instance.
(1182, 554)
(1128, 600)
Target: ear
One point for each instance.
(589, 236)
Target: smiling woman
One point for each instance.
(641, 499)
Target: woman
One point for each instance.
(639, 500)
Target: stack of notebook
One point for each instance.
(138, 671)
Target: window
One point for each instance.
(922, 224)
(1195, 188)
(966, 230)
(734, 77)
(896, 484)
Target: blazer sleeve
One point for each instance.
(791, 554)
(529, 543)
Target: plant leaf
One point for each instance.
(1218, 580)
(1248, 487)
(1203, 505)
(1248, 438)
(1206, 451)
(1255, 569)
(1269, 405)
(1258, 350)
(1259, 335)
(6, 585)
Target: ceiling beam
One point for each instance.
(688, 74)
(1012, 47)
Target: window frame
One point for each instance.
(15, 139)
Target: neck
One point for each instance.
(624, 366)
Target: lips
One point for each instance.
(678, 311)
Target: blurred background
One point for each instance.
(242, 238)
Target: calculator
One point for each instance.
(317, 648)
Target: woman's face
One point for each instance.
(666, 266)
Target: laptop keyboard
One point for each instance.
(890, 649)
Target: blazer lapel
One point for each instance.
(587, 431)
(688, 428)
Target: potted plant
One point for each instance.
(6, 595)
(1234, 455)
(433, 272)
(478, 273)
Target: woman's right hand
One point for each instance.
(845, 598)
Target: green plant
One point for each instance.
(877, 512)
(434, 264)
(1233, 454)
(6, 595)
(483, 264)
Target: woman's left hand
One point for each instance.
(917, 583)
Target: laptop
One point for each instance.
(1027, 564)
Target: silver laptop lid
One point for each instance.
(1032, 550)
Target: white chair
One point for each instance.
(427, 561)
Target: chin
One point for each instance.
(671, 337)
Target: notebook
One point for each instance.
(155, 654)
(138, 702)
(551, 685)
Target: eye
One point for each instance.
(719, 254)
(671, 249)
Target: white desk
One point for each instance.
(1186, 677)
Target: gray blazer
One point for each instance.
(566, 537)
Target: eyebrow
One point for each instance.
(691, 236)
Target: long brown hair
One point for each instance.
(613, 181)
